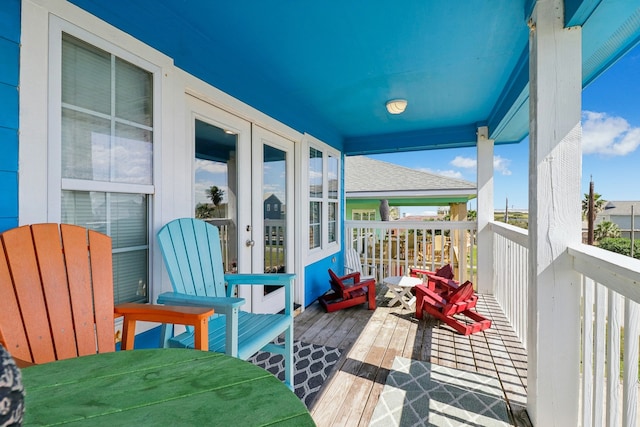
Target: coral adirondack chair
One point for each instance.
(348, 291)
(193, 258)
(352, 264)
(459, 302)
(56, 288)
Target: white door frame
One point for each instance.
(208, 113)
(274, 301)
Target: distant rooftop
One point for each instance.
(369, 178)
(617, 207)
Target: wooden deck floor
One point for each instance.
(371, 339)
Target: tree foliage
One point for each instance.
(598, 205)
(606, 229)
(620, 245)
(215, 194)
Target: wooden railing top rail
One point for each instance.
(411, 225)
(511, 232)
(617, 272)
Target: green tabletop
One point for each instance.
(158, 387)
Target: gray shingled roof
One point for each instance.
(367, 175)
(620, 208)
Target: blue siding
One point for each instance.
(317, 277)
(8, 150)
(10, 54)
(9, 75)
(147, 339)
(8, 199)
(10, 20)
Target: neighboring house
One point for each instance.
(273, 208)
(368, 181)
(619, 213)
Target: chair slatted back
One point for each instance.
(195, 262)
(336, 284)
(56, 285)
(352, 261)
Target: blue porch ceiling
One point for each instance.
(327, 68)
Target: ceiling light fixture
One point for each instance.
(396, 106)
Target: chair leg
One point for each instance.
(288, 357)
(372, 297)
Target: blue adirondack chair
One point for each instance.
(193, 258)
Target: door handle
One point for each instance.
(250, 243)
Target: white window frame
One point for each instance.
(57, 28)
(361, 212)
(326, 248)
(54, 194)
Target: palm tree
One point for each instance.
(215, 194)
(606, 229)
(598, 205)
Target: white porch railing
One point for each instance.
(510, 270)
(610, 330)
(390, 248)
(610, 298)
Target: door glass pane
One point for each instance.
(275, 201)
(215, 186)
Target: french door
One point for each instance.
(243, 184)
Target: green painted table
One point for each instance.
(158, 387)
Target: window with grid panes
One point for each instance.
(106, 158)
(324, 193)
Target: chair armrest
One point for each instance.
(221, 305)
(423, 292)
(359, 285)
(198, 317)
(413, 272)
(355, 276)
(282, 279)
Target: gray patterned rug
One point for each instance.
(424, 394)
(313, 364)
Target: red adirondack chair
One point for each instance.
(458, 302)
(439, 281)
(348, 291)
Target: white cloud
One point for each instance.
(500, 164)
(464, 162)
(609, 135)
(211, 167)
(448, 173)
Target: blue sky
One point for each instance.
(610, 144)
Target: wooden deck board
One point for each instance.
(371, 339)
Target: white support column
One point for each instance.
(554, 217)
(485, 211)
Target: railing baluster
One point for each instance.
(630, 392)
(599, 350)
(587, 351)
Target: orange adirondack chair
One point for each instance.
(459, 302)
(348, 291)
(56, 288)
